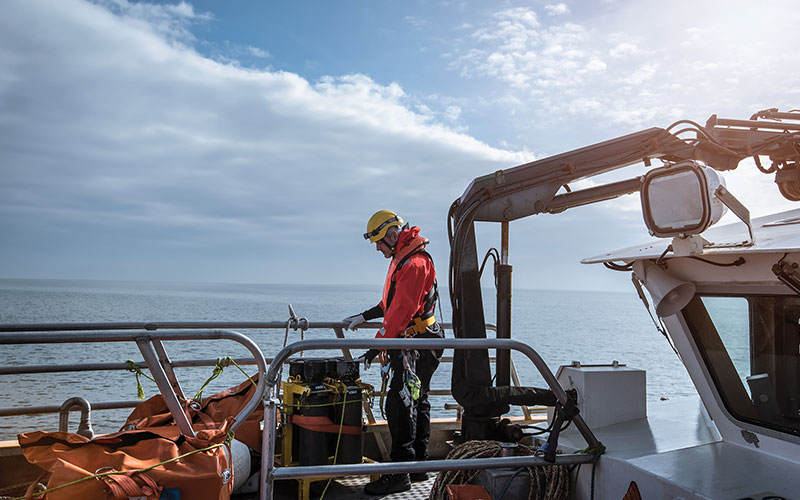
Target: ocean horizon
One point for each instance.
(563, 326)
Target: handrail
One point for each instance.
(268, 470)
(146, 340)
(294, 324)
(31, 330)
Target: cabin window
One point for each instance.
(751, 345)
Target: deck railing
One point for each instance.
(150, 344)
(149, 338)
(294, 323)
(269, 473)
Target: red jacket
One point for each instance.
(412, 282)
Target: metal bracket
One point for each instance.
(737, 208)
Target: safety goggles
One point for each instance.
(378, 229)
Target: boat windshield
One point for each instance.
(751, 346)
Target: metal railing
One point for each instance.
(294, 323)
(269, 472)
(150, 344)
(149, 338)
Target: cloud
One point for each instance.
(452, 113)
(623, 49)
(258, 52)
(558, 9)
(632, 70)
(114, 127)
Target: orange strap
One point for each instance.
(29, 491)
(322, 424)
(123, 486)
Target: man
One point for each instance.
(407, 308)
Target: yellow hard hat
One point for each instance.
(379, 223)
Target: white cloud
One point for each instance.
(113, 125)
(642, 74)
(595, 66)
(452, 113)
(634, 71)
(624, 49)
(558, 9)
(258, 52)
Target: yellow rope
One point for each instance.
(137, 370)
(343, 388)
(601, 449)
(228, 439)
(219, 366)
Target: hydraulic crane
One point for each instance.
(534, 188)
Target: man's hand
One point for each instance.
(354, 321)
(368, 356)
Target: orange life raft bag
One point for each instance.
(210, 414)
(151, 463)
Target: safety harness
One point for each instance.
(418, 324)
(421, 322)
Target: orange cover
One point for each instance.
(68, 457)
(213, 411)
(467, 492)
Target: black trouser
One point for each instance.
(410, 424)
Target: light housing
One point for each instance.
(678, 200)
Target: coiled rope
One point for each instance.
(546, 482)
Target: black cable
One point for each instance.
(737, 262)
(771, 169)
(618, 267)
(508, 482)
(660, 259)
(494, 254)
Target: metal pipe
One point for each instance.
(268, 471)
(756, 124)
(375, 468)
(605, 192)
(61, 327)
(503, 277)
(115, 405)
(165, 362)
(167, 392)
(145, 337)
(90, 367)
(261, 387)
(271, 404)
(108, 332)
(36, 410)
(85, 425)
(413, 343)
(68, 337)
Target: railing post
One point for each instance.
(268, 444)
(157, 371)
(166, 363)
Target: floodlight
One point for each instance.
(678, 200)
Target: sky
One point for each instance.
(250, 141)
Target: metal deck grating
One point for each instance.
(353, 488)
(348, 488)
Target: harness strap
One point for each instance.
(322, 424)
(419, 325)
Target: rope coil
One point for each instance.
(546, 482)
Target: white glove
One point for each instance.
(354, 321)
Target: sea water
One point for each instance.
(563, 326)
